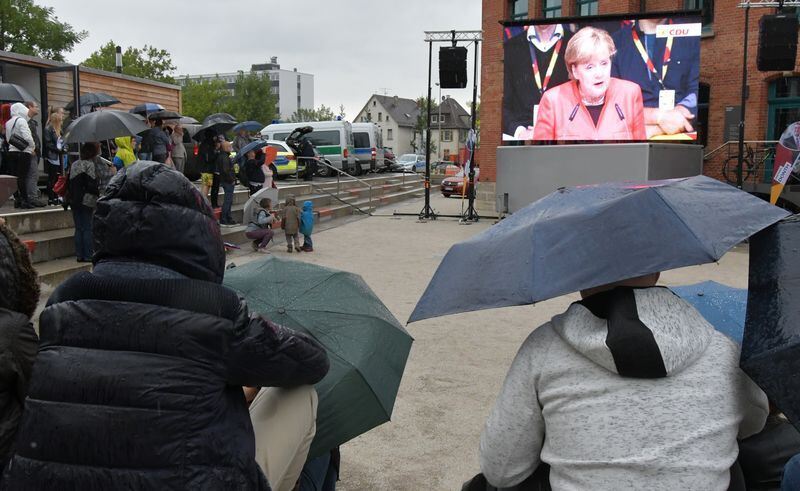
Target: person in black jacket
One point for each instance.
(138, 380)
(19, 294)
(227, 178)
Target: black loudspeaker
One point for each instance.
(453, 67)
(777, 43)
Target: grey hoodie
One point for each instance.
(670, 423)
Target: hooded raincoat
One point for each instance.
(628, 389)
(138, 382)
(307, 218)
(125, 154)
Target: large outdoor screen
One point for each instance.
(602, 80)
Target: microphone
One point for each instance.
(574, 112)
(619, 112)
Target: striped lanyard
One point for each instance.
(536, 75)
(646, 58)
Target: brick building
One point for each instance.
(773, 101)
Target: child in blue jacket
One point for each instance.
(307, 225)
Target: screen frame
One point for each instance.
(602, 17)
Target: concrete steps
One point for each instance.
(52, 229)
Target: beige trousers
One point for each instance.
(284, 423)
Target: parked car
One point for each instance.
(410, 162)
(333, 139)
(368, 147)
(389, 158)
(285, 162)
(454, 185)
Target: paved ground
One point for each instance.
(457, 363)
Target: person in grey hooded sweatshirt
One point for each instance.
(630, 388)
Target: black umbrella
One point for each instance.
(103, 125)
(188, 120)
(219, 118)
(771, 344)
(94, 99)
(14, 93)
(165, 115)
(147, 108)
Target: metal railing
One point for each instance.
(756, 164)
(339, 174)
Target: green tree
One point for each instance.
(34, 30)
(252, 99)
(148, 62)
(322, 113)
(200, 99)
(418, 140)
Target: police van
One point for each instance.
(332, 139)
(368, 145)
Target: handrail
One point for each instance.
(731, 142)
(339, 173)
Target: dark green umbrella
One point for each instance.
(366, 345)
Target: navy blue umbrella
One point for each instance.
(587, 236)
(771, 346)
(721, 305)
(250, 147)
(248, 126)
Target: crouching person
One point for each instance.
(19, 294)
(630, 388)
(138, 381)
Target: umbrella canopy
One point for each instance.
(164, 115)
(14, 93)
(271, 193)
(219, 117)
(188, 120)
(250, 147)
(366, 345)
(721, 305)
(587, 236)
(215, 127)
(147, 108)
(248, 126)
(771, 345)
(94, 99)
(103, 125)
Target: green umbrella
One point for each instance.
(366, 345)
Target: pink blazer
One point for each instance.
(562, 116)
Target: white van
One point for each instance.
(368, 146)
(332, 139)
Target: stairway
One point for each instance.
(52, 229)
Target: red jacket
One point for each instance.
(562, 116)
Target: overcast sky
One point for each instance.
(354, 48)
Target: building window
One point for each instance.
(784, 105)
(374, 103)
(447, 135)
(389, 135)
(586, 7)
(551, 8)
(387, 119)
(707, 8)
(518, 9)
(701, 124)
(380, 117)
(369, 116)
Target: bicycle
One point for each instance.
(752, 165)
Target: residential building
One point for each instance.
(773, 101)
(450, 125)
(294, 90)
(396, 118)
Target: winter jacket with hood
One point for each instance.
(124, 153)
(307, 218)
(138, 381)
(291, 219)
(628, 389)
(18, 123)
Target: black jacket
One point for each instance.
(18, 345)
(138, 381)
(225, 167)
(253, 172)
(51, 143)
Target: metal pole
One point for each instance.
(740, 165)
(427, 212)
(439, 139)
(118, 59)
(471, 213)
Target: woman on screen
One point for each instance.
(593, 105)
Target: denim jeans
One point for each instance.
(227, 202)
(791, 474)
(319, 475)
(32, 179)
(82, 216)
(307, 241)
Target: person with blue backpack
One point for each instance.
(307, 226)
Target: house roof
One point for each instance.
(455, 116)
(403, 111)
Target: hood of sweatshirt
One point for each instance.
(19, 110)
(636, 332)
(307, 206)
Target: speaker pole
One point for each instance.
(427, 212)
(471, 215)
(740, 164)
